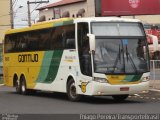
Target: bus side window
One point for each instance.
(56, 38)
(70, 43)
(83, 49)
(8, 44)
(44, 39)
(69, 37)
(12, 43)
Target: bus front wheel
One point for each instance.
(120, 98)
(72, 92)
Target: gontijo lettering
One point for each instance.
(28, 58)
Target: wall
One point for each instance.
(4, 17)
(151, 19)
(154, 19)
(72, 8)
(4, 24)
(47, 12)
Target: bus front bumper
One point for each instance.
(100, 89)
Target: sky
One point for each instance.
(21, 13)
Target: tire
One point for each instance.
(17, 87)
(71, 91)
(120, 98)
(23, 86)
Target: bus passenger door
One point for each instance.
(83, 49)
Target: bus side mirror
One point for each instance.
(92, 42)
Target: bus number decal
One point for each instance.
(28, 58)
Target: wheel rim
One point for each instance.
(73, 93)
(17, 86)
(23, 87)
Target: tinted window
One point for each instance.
(83, 49)
(40, 40)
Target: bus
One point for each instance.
(99, 56)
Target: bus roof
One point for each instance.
(66, 21)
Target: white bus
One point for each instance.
(83, 56)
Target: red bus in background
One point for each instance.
(153, 38)
(155, 32)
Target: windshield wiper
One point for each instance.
(131, 60)
(118, 58)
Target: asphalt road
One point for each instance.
(57, 103)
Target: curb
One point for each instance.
(1, 84)
(154, 90)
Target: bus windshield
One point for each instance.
(121, 51)
(117, 29)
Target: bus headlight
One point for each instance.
(145, 79)
(101, 80)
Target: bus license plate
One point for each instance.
(124, 89)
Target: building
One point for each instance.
(67, 8)
(4, 24)
(88, 8)
(4, 17)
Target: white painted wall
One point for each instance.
(72, 8)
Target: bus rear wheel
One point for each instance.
(72, 92)
(17, 86)
(120, 98)
(23, 86)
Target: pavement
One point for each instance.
(155, 85)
